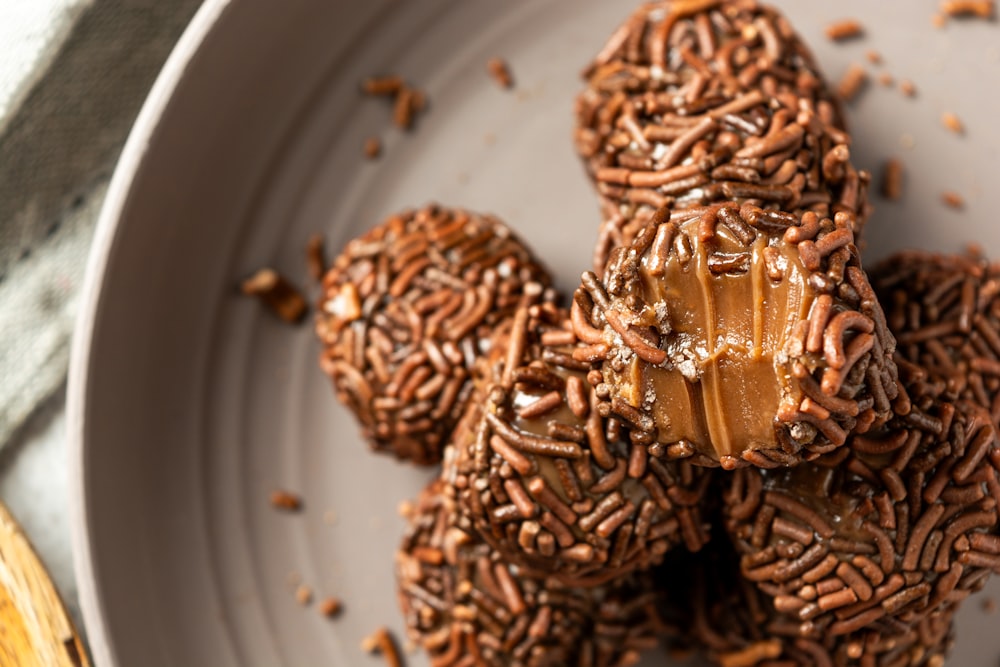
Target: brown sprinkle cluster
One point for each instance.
(407, 100)
(406, 311)
(277, 294)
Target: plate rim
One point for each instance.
(134, 154)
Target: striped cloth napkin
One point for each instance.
(73, 75)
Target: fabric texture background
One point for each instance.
(77, 74)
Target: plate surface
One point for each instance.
(190, 404)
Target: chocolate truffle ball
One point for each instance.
(465, 605)
(407, 309)
(556, 482)
(736, 625)
(903, 520)
(696, 103)
(946, 312)
(751, 336)
(903, 525)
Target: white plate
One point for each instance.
(189, 404)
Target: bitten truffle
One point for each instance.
(407, 309)
(555, 481)
(466, 605)
(752, 336)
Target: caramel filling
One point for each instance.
(724, 334)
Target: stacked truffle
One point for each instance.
(726, 382)
(736, 320)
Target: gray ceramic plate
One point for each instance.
(190, 404)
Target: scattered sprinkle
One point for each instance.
(402, 114)
(329, 517)
(892, 179)
(852, 83)
(953, 122)
(279, 295)
(874, 57)
(908, 88)
(843, 30)
(303, 595)
(407, 101)
(383, 86)
(989, 605)
(500, 71)
(373, 148)
(382, 642)
(886, 79)
(316, 257)
(939, 20)
(330, 607)
(953, 200)
(979, 8)
(285, 500)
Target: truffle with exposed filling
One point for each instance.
(407, 309)
(553, 479)
(466, 605)
(752, 336)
